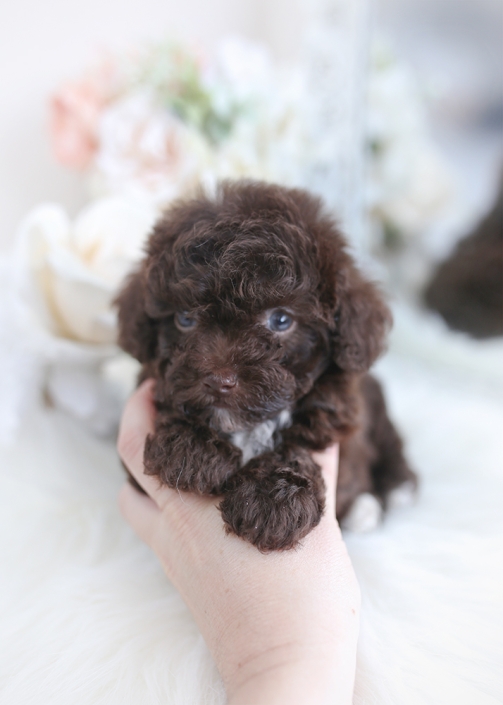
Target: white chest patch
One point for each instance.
(259, 439)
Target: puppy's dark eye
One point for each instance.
(184, 321)
(279, 321)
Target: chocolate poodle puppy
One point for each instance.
(259, 330)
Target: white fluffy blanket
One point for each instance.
(88, 617)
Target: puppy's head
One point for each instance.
(244, 300)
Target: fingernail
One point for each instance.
(147, 384)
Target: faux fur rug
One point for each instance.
(87, 616)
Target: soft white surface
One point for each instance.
(88, 617)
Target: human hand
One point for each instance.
(283, 626)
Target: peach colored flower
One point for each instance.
(145, 152)
(74, 115)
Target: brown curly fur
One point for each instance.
(467, 288)
(226, 261)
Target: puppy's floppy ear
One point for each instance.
(362, 320)
(137, 330)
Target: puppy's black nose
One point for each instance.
(222, 382)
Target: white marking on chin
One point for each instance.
(365, 514)
(256, 440)
(259, 439)
(284, 419)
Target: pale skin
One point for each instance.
(282, 627)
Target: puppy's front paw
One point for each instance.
(190, 459)
(272, 508)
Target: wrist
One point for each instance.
(277, 686)
(307, 681)
(299, 675)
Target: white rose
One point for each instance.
(73, 270)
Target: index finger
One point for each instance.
(137, 423)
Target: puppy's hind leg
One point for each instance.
(364, 514)
(393, 480)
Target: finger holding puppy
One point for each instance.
(137, 423)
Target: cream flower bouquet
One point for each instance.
(156, 124)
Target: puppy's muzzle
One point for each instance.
(221, 383)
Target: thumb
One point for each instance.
(328, 460)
